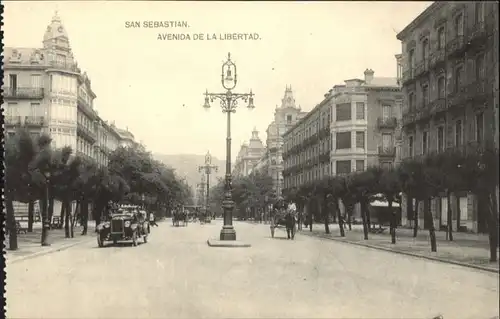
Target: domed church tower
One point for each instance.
(56, 44)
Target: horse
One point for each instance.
(290, 222)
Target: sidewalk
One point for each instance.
(29, 244)
(466, 249)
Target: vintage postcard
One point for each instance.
(214, 159)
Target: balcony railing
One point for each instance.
(23, 93)
(457, 96)
(386, 150)
(438, 105)
(86, 132)
(436, 58)
(389, 122)
(477, 32)
(12, 120)
(422, 68)
(34, 120)
(409, 117)
(455, 45)
(408, 75)
(422, 112)
(62, 65)
(478, 89)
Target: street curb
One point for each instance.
(483, 268)
(9, 261)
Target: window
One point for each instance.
(360, 165)
(411, 57)
(479, 12)
(425, 50)
(441, 38)
(344, 112)
(386, 111)
(360, 111)
(411, 101)
(440, 138)
(480, 71)
(12, 109)
(289, 119)
(386, 141)
(458, 78)
(425, 142)
(343, 167)
(458, 133)
(441, 86)
(425, 94)
(479, 127)
(13, 81)
(34, 109)
(343, 140)
(36, 81)
(360, 140)
(410, 146)
(459, 25)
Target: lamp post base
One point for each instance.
(227, 233)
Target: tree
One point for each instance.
(389, 186)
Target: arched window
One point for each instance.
(425, 50)
(441, 38)
(441, 87)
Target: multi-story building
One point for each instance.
(249, 155)
(46, 92)
(450, 83)
(365, 118)
(285, 117)
(306, 147)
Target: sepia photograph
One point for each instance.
(240, 159)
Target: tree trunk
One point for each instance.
(65, 213)
(340, 219)
(323, 206)
(432, 232)
(62, 218)
(11, 223)
(415, 219)
(84, 217)
(310, 217)
(493, 226)
(368, 217)
(31, 215)
(51, 208)
(365, 222)
(449, 214)
(71, 219)
(45, 217)
(393, 223)
(458, 213)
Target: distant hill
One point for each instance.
(187, 165)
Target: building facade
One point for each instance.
(46, 92)
(249, 155)
(450, 83)
(285, 117)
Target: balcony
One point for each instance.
(86, 133)
(408, 75)
(458, 96)
(389, 122)
(437, 58)
(456, 46)
(409, 117)
(12, 120)
(23, 93)
(478, 90)
(477, 33)
(63, 65)
(34, 121)
(422, 68)
(387, 151)
(423, 112)
(438, 105)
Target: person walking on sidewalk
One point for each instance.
(152, 219)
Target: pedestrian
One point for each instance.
(152, 219)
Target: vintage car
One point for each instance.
(124, 225)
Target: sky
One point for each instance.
(155, 87)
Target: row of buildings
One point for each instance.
(46, 92)
(444, 95)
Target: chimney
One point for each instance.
(368, 76)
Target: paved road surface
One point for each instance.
(176, 275)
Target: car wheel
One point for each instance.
(134, 238)
(100, 242)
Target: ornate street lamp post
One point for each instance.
(207, 169)
(228, 103)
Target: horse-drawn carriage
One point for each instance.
(178, 217)
(284, 217)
